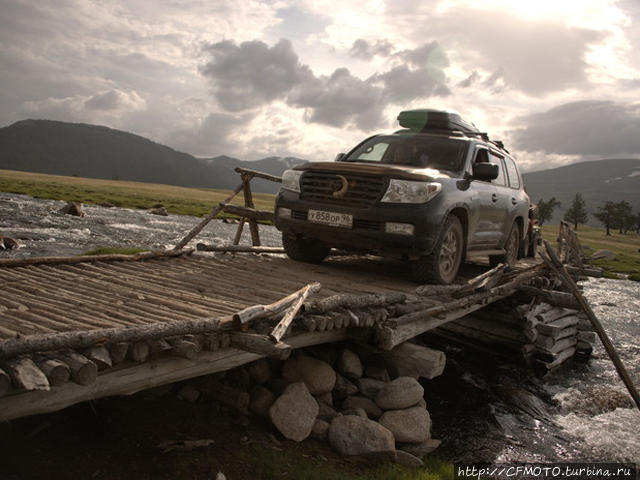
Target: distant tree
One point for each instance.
(577, 212)
(606, 215)
(624, 218)
(637, 222)
(545, 209)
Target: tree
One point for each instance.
(545, 209)
(624, 218)
(576, 213)
(606, 215)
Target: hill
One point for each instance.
(92, 151)
(598, 182)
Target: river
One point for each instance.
(483, 408)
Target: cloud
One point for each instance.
(115, 100)
(364, 50)
(589, 127)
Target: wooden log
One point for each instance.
(554, 360)
(308, 322)
(83, 371)
(225, 340)
(238, 248)
(321, 323)
(257, 312)
(415, 360)
(211, 342)
(588, 337)
(249, 212)
(280, 329)
(547, 342)
(238, 236)
(584, 271)
(118, 352)
(198, 228)
(21, 262)
(5, 383)
(554, 329)
(248, 202)
(518, 334)
(257, 174)
(554, 314)
(431, 290)
(484, 281)
(26, 375)
(561, 345)
(138, 351)
(480, 336)
(57, 372)
(356, 301)
(260, 344)
(99, 354)
(556, 298)
(183, 348)
(159, 347)
(405, 308)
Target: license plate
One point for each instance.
(333, 219)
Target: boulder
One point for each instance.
(403, 392)
(349, 365)
(343, 388)
(320, 430)
(368, 405)
(326, 412)
(261, 400)
(378, 373)
(412, 360)
(189, 394)
(73, 208)
(411, 425)
(260, 371)
(353, 435)
(358, 412)
(294, 412)
(325, 398)
(369, 387)
(420, 450)
(278, 385)
(317, 375)
(602, 254)
(159, 211)
(408, 460)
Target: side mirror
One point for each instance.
(339, 157)
(485, 171)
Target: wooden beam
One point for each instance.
(249, 212)
(257, 174)
(238, 248)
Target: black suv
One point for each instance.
(432, 193)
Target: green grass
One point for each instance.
(271, 463)
(625, 247)
(177, 200)
(114, 250)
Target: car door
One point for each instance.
(484, 216)
(503, 206)
(514, 199)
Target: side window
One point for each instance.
(374, 153)
(501, 178)
(482, 155)
(512, 171)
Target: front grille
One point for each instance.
(363, 190)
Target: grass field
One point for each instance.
(625, 247)
(178, 200)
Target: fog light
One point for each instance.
(284, 212)
(399, 228)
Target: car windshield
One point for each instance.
(424, 151)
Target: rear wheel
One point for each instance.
(444, 262)
(303, 250)
(512, 247)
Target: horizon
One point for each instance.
(557, 82)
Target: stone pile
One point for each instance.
(359, 403)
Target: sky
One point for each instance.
(557, 80)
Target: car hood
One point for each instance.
(406, 172)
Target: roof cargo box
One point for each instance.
(426, 119)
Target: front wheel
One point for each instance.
(302, 250)
(444, 262)
(512, 247)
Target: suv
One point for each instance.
(432, 193)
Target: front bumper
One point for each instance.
(367, 233)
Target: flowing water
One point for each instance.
(483, 408)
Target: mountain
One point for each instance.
(598, 181)
(62, 148)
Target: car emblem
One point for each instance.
(339, 186)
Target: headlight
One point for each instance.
(405, 191)
(291, 180)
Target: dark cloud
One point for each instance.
(589, 127)
(366, 51)
(470, 80)
(429, 54)
(104, 101)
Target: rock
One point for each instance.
(278, 385)
(239, 378)
(294, 412)
(73, 208)
(377, 373)
(326, 412)
(320, 430)
(343, 388)
(358, 412)
(353, 435)
(349, 365)
(317, 375)
(422, 403)
(261, 400)
(369, 387)
(411, 425)
(325, 398)
(420, 450)
(220, 476)
(9, 243)
(159, 211)
(408, 460)
(403, 392)
(368, 405)
(603, 254)
(411, 360)
(189, 394)
(260, 371)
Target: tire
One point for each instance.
(301, 250)
(512, 247)
(444, 262)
